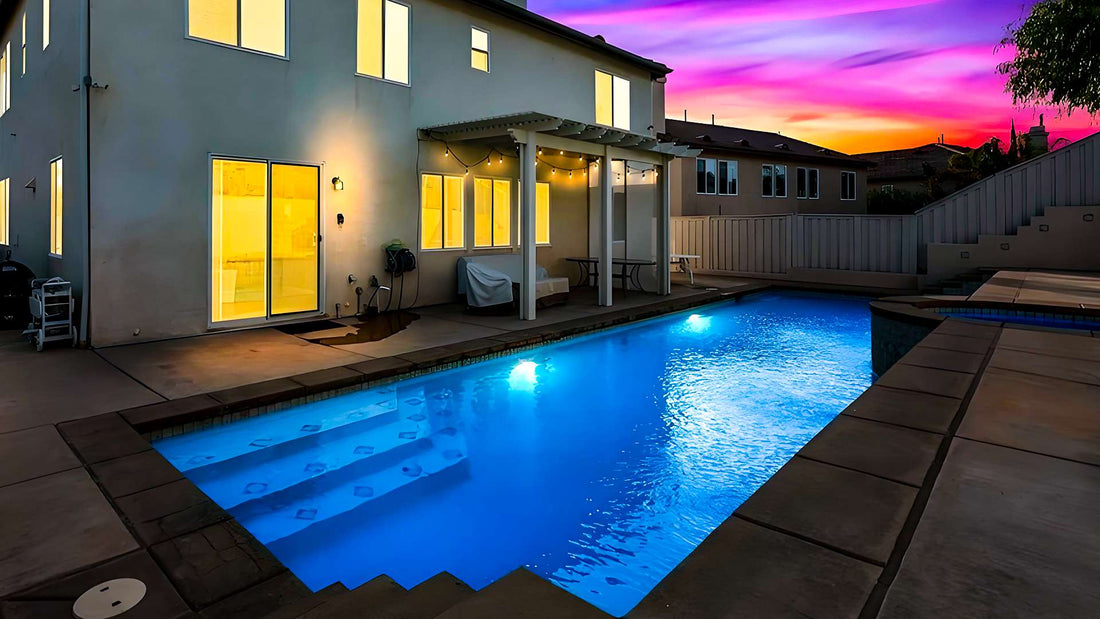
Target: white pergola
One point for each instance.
(533, 130)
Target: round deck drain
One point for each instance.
(109, 599)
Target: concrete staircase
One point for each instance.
(1062, 238)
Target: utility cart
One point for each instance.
(51, 305)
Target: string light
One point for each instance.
(501, 162)
(446, 152)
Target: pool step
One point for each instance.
(269, 471)
(361, 601)
(294, 511)
(351, 413)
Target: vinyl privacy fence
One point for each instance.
(773, 244)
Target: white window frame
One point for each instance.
(707, 163)
(269, 318)
(844, 174)
(774, 167)
(60, 238)
(813, 190)
(5, 79)
(487, 50)
(46, 24)
(466, 215)
(492, 211)
(409, 51)
(23, 46)
(286, 33)
(736, 177)
(615, 121)
(5, 200)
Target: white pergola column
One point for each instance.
(664, 228)
(527, 179)
(604, 244)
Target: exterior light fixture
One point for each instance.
(446, 152)
(337, 183)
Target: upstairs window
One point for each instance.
(45, 24)
(727, 178)
(258, 25)
(706, 172)
(382, 40)
(808, 184)
(479, 49)
(774, 180)
(847, 185)
(5, 79)
(612, 101)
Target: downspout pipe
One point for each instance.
(85, 148)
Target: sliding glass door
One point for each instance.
(265, 258)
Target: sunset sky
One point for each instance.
(854, 75)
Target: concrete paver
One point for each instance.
(885, 450)
(927, 380)
(923, 411)
(185, 367)
(33, 453)
(843, 509)
(61, 384)
(1066, 368)
(54, 525)
(745, 570)
(1072, 345)
(428, 332)
(943, 359)
(1036, 413)
(1005, 534)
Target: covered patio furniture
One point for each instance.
(494, 281)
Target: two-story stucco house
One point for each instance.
(747, 172)
(200, 165)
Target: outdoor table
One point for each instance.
(629, 272)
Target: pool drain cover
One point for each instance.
(109, 599)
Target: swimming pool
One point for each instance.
(598, 462)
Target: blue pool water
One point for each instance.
(599, 462)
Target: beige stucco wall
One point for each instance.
(750, 201)
(41, 125)
(173, 101)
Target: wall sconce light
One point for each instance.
(337, 183)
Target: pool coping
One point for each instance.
(182, 532)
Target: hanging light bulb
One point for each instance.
(570, 173)
(467, 171)
(580, 158)
(501, 160)
(446, 152)
(562, 153)
(643, 175)
(553, 170)
(540, 151)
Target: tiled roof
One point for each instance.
(762, 144)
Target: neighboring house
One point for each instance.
(910, 169)
(198, 165)
(746, 172)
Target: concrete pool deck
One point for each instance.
(964, 482)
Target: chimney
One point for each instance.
(1038, 137)
(712, 119)
(685, 115)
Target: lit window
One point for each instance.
(542, 213)
(24, 46)
(383, 40)
(706, 176)
(56, 206)
(727, 178)
(5, 79)
(258, 25)
(774, 181)
(847, 185)
(4, 197)
(479, 49)
(442, 215)
(492, 212)
(264, 239)
(45, 24)
(808, 184)
(612, 101)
